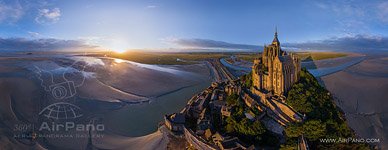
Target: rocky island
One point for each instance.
(278, 105)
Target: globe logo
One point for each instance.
(61, 110)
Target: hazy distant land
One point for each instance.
(184, 58)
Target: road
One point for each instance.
(221, 73)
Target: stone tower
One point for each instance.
(275, 71)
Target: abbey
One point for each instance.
(275, 71)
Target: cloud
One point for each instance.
(34, 34)
(23, 44)
(151, 6)
(382, 13)
(211, 44)
(10, 13)
(355, 16)
(357, 43)
(47, 16)
(352, 17)
(345, 8)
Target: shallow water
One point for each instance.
(143, 119)
(329, 70)
(239, 68)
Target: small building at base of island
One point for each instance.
(175, 122)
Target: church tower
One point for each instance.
(275, 40)
(275, 71)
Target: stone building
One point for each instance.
(226, 111)
(175, 122)
(227, 142)
(275, 71)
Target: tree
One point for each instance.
(232, 100)
(294, 130)
(248, 128)
(243, 127)
(314, 129)
(323, 117)
(247, 79)
(230, 123)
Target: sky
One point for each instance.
(192, 24)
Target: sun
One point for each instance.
(116, 45)
(120, 51)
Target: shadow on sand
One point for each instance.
(308, 64)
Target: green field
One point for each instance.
(311, 56)
(166, 58)
(169, 58)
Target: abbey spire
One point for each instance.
(276, 40)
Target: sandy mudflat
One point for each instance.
(16, 107)
(361, 92)
(110, 88)
(155, 141)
